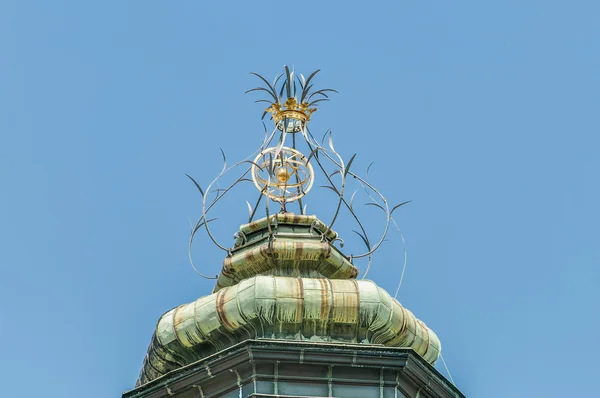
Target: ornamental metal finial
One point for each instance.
(283, 174)
(293, 113)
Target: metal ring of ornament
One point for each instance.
(283, 179)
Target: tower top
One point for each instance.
(286, 277)
(290, 107)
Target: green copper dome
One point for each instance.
(284, 280)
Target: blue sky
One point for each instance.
(484, 114)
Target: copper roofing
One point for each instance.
(305, 309)
(285, 280)
(288, 245)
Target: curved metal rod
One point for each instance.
(201, 221)
(204, 222)
(385, 208)
(266, 142)
(368, 267)
(214, 202)
(220, 193)
(339, 191)
(192, 263)
(343, 173)
(297, 177)
(270, 231)
(348, 206)
(387, 224)
(401, 237)
(260, 195)
(404, 266)
(334, 188)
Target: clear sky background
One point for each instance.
(484, 114)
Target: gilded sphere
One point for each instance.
(274, 169)
(283, 175)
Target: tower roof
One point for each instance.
(277, 368)
(285, 278)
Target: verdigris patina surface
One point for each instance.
(298, 308)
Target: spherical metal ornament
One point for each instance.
(283, 176)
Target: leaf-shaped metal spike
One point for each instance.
(257, 89)
(311, 76)
(375, 204)
(334, 173)
(352, 200)
(294, 88)
(197, 185)
(273, 92)
(324, 90)
(325, 135)
(347, 168)
(249, 209)
(276, 80)
(257, 101)
(304, 210)
(321, 94)
(305, 92)
(224, 158)
(282, 88)
(302, 79)
(281, 141)
(288, 81)
(331, 142)
(369, 168)
(313, 153)
(401, 204)
(364, 238)
(252, 163)
(330, 187)
(270, 171)
(308, 86)
(262, 89)
(317, 101)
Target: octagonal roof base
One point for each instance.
(274, 368)
(285, 244)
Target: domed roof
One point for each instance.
(285, 278)
(314, 297)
